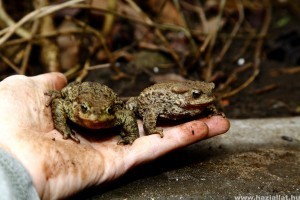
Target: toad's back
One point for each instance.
(175, 99)
(89, 90)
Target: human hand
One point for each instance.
(60, 168)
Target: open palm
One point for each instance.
(61, 167)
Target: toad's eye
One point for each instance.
(84, 107)
(110, 110)
(196, 94)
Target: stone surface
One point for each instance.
(256, 157)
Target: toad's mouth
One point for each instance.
(96, 124)
(197, 105)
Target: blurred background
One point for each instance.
(249, 49)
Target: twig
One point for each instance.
(109, 18)
(161, 6)
(98, 34)
(252, 35)
(84, 72)
(49, 50)
(9, 31)
(290, 70)
(102, 41)
(5, 18)
(197, 33)
(233, 76)
(29, 47)
(192, 41)
(169, 27)
(234, 31)
(10, 63)
(101, 66)
(265, 89)
(199, 10)
(41, 36)
(151, 46)
(202, 48)
(178, 7)
(157, 32)
(257, 53)
(208, 57)
(71, 73)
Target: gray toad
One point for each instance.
(91, 105)
(172, 100)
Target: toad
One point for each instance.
(91, 105)
(172, 100)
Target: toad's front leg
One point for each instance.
(149, 123)
(214, 111)
(128, 122)
(53, 94)
(60, 120)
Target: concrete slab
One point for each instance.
(256, 157)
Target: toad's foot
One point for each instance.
(128, 122)
(213, 111)
(156, 131)
(68, 134)
(127, 140)
(149, 124)
(149, 130)
(72, 136)
(60, 120)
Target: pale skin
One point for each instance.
(60, 168)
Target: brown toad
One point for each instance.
(172, 100)
(91, 105)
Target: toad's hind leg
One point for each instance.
(149, 124)
(60, 120)
(128, 122)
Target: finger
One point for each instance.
(52, 81)
(216, 125)
(153, 146)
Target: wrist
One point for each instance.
(13, 143)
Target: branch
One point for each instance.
(9, 31)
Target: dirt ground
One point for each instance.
(242, 162)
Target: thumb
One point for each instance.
(52, 81)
